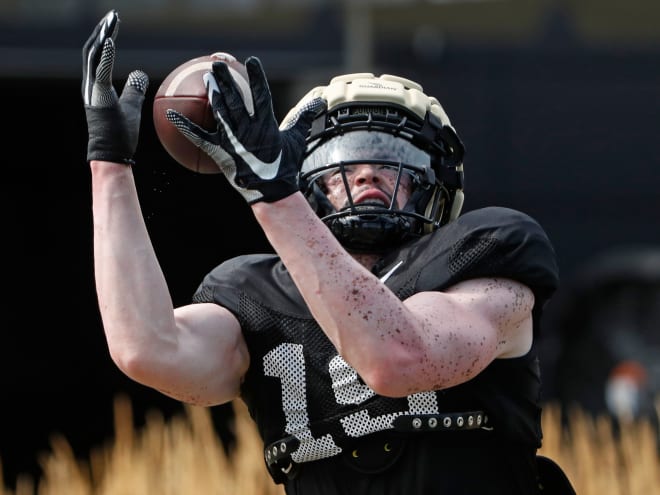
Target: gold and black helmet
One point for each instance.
(385, 120)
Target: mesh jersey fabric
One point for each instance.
(298, 385)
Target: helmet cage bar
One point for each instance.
(423, 179)
(347, 187)
(421, 175)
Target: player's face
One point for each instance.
(369, 184)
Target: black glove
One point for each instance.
(113, 123)
(260, 161)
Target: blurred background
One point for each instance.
(557, 102)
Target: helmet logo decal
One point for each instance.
(376, 85)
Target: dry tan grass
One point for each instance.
(185, 455)
(180, 456)
(597, 460)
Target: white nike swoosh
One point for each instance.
(389, 274)
(265, 170)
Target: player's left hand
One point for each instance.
(113, 122)
(260, 161)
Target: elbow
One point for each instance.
(390, 379)
(386, 387)
(403, 372)
(130, 361)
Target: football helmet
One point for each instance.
(387, 121)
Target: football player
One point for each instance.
(388, 346)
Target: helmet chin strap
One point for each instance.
(370, 233)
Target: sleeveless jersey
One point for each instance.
(298, 386)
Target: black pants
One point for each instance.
(423, 465)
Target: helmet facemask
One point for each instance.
(402, 130)
(371, 226)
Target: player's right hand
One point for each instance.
(113, 122)
(260, 161)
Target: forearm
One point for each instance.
(365, 321)
(133, 297)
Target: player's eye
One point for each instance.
(333, 177)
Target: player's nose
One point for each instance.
(366, 174)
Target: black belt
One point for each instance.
(278, 454)
(278, 459)
(280, 450)
(470, 420)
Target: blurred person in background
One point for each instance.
(603, 343)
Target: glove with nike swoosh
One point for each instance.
(260, 161)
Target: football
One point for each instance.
(183, 90)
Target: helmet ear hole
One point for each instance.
(457, 205)
(434, 209)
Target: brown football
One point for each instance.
(183, 90)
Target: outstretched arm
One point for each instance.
(195, 353)
(432, 340)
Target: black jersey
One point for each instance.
(299, 387)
